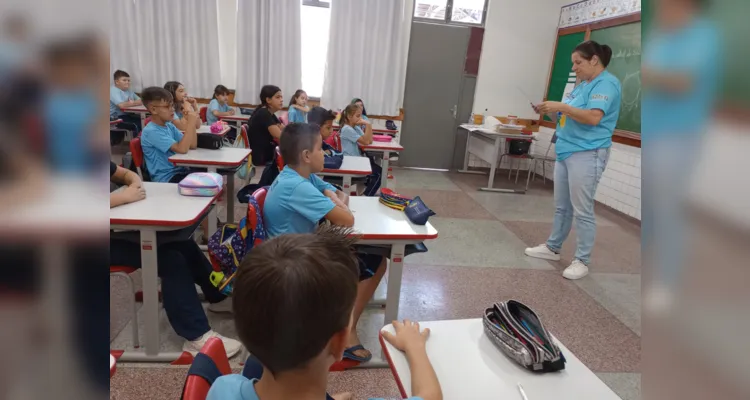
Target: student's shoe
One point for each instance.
(576, 270)
(231, 346)
(543, 252)
(224, 306)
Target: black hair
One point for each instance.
(266, 92)
(172, 87)
(296, 138)
(297, 94)
(590, 48)
(155, 93)
(364, 110)
(219, 90)
(349, 110)
(121, 74)
(293, 293)
(319, 116)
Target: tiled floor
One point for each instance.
(477, 259)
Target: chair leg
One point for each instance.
(544, 172)
(510, 167)
(529, 172)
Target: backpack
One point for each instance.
(229, 245)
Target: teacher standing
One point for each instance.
(586, 119)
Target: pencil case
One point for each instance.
(518, 332)
(382, 138)
(202, 184)
(217, 127)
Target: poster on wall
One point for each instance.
(588, 11)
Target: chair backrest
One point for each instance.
(202, 112)
(279, 161)
(284, 118)
(196, 385)
(260, 197)
(243, 135)
(136, 152)
(146, 121)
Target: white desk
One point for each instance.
(163, 209)
(140, 110)
(485, 144)
(376, 131)
(386, 148)
(236, 118)
(225, 157)
(207, 129)
(469, 366)
(352, 167)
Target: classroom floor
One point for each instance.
(477, 260)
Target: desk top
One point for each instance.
(114, 122)
(469, 366)
(352, 165)
(389, 146)
(236, 117)
(223, 157)
(207, 129)
(374, 221)
(136, 109)
(505, 133)
(163, 206)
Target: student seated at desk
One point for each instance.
(298, 200)
(298, 107)
(183, 105)
(181, 266)
(352, 136)
(359, 103)
(120, 96)
(324, 120)
(293, 297)
(264, 128)
(219, 107)
(161, 139)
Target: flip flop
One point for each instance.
(349, 353)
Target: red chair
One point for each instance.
(137, 152)
(260, 197)
(202, 372)
(146, 121)
(124, 272)
(279, 161)
(202, 112)
(243, 135)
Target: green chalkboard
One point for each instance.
(625, 41)
(562, 65)
(731, 19)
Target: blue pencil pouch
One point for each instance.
(418, 212)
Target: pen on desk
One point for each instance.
(523, 394)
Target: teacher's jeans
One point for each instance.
(576, 179)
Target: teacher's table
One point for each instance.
(469, 366)
(485, 144)
(224, 158)
(386, 148)
(140, 110)
(379, 225)
(352, 167)
(163, 209)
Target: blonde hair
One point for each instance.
(347, 113)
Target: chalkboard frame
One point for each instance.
(620, 136)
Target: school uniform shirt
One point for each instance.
(214, 105)
(694, 50)
(295, 115)
(177, 116)
(156, 141)
(295, 204)
(261, 140)
(68, 123)
(602, 93)
(117, 96)
(349, 138)
(238, 387)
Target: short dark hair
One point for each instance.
(121, 74)
(590, 48)
(319, 116)
(220, 90)
(266, 92)
(293, 293)
(296, 138)
(155, 93)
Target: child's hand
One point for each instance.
(408, 337)
(134, 193)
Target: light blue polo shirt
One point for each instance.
(349, 137)
(177, 115)
(694, 50)
(117, 96)
(214, 105)
(68, 120)
(237, 387)
(295, 115)
(604, 93)
(295, 204)
(156, 141)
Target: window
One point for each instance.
(451, 11)
(315, 16)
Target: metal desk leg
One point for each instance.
(230, 198)
(493, 167)
(150, 291)
(347, 182)
(384, 166)
(394, 282)
(211, 215)
(466, 157)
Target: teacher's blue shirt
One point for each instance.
(603, 93)
(695, 51)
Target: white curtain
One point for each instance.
(268, 48)
(123, 47)
(178, 40)
(367, 52)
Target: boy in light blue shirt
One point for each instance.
(293, 302)
(161, 139)
(120, 96)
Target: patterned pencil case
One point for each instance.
(202, 184)
(518, 332)
(382, 138)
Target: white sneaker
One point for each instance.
(231, 346)
(576, 270)
(224, 306)
(543, 252)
